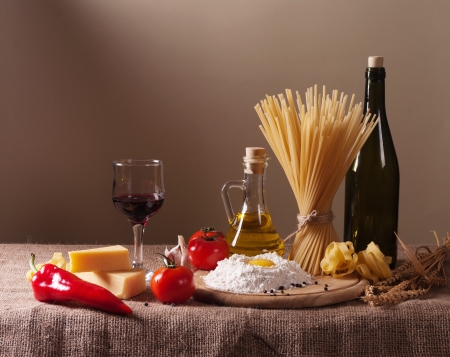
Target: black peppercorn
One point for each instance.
(281, 288)
(282, 291)
(146, 304)
(326, 285)
(265, 291)
(298, 285)
(316, 282)
(271, 290)
(325, 288)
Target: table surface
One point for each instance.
(30, 328)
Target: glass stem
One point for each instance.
(138, 261)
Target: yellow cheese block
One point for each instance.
(100, 259)
(123, 284)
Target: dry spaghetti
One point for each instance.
(315, 146)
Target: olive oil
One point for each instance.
(251, 230)
(254, 234)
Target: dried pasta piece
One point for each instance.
(340, 259)
(373, 264)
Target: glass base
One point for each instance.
(148, 273)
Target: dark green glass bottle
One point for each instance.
(372, 184)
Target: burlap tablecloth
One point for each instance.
(30, 328)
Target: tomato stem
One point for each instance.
(169, 263)
(210, 238)
(207, 229)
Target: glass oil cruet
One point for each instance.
(251, 230)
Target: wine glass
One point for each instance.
(138, 193)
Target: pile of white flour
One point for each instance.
(235, 275)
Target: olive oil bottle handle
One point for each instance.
(226, 198)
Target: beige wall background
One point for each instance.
(83, 82)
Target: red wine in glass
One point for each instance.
(138, 208)
(138, 194)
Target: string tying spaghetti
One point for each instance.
(312, 218)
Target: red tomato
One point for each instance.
(206, 232)
(173, 284)
(205, 252)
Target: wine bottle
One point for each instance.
(373, 181)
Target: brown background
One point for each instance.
(83, 82)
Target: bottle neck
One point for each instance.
(374, 96)
(254, 193)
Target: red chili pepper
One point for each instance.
(54, 284)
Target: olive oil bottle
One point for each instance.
(251, 230)
(373, 181)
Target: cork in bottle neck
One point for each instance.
(375, 62)
(375, 71)
(255, 160)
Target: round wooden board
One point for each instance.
(339, 290)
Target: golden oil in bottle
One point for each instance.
(251, 230)
(252, 233)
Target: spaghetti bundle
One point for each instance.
(315, 146)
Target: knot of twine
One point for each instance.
(311, 218)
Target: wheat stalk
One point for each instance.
(410, 281)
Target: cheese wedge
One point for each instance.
(100, 259)
(123, 284)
